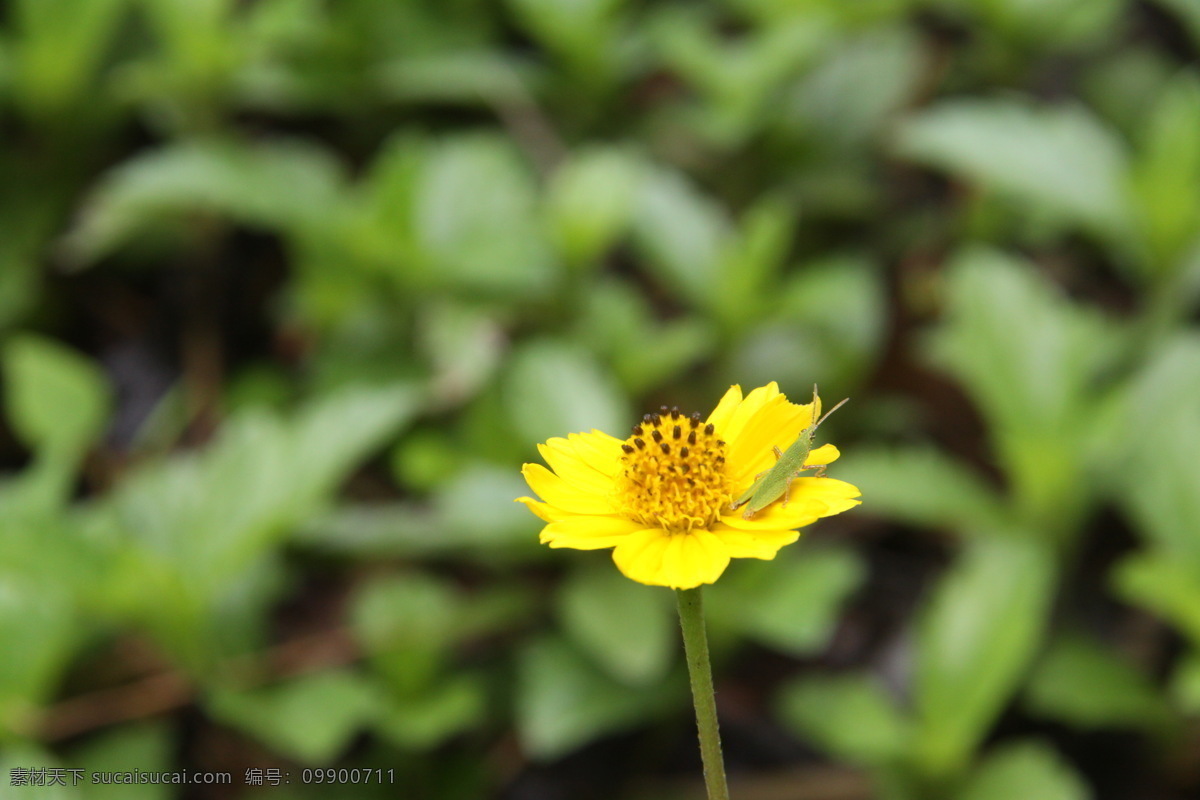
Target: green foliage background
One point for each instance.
(290, 288)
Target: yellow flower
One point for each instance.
(661, 498)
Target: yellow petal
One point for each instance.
(809, 499)
(544, 510)
(825, 454)
(823, 488)
(562, 457)
(677, 560)
(764, 398)
(776, 517)
(601, 451)
(776, 425)
(762, 544)
(557, 492)
(724, 411)
(837, 506)
(588, 533)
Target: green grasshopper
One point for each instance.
(770, 485)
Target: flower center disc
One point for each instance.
(674, 474)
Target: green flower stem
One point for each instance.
(695, 646)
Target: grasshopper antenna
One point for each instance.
(830, 411)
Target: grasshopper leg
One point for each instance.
(737, 503)
(787, 487)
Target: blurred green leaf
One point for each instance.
(1084, 684)
(849, 715)
(476, 508)
(37, 632)
(1166, 174)
(922, 486)
(826, 327)
(260, 385)
(1029, 373)
(27, 755)
(282, 186)
(563, 702)
(1188, 13)
(467, 77)
(310, 719)
(5, 68)
(406, 623)
(32, 199)
(1058, 25)
(737, 77)
(1185, 684)
(751, 262)
(464, 345)
(140, 747)
(18, 282)
(616, 324)
(386, 529)
(1061, 159)
(472, 516)
(197, 527)
(58, 50)
(1161, 414)
(578, 31)
(844, 100)
(424, 720)
(56, 399)
(332, 434)
(791, 604)
(424, 459)
(840, 299)
(1035, 382)
(188, 24)
(474, 220)
(590, 202)
(552, 389)
(627, 628)
(1026, 769)
(200, 47)
(1118, 87)
(1165, 585)
(975, 639)
(383, 232)
(682, 234)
